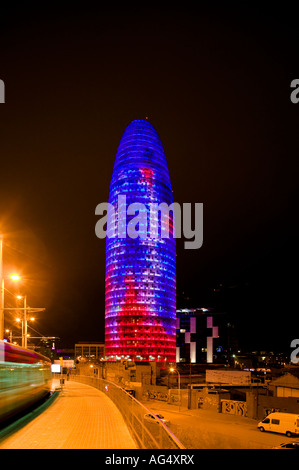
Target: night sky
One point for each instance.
(215, 83)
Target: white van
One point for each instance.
(285, 423)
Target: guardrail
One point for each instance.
(149, 433)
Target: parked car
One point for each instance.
(165, 421)
(152, 418)
(288, 445)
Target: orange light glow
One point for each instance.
(14, 277)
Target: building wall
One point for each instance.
(90, 350)
(287, 392)
(259, 406)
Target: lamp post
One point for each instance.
(22, 329)
(10, 335)
(13, 277)
(25, 319)
(24, 322)
(172, 369)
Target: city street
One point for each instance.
(205, 429)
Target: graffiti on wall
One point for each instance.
(234, 407)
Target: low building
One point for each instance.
(89, 351)
(286, 386)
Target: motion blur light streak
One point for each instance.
(140, 286)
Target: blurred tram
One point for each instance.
(25, 377)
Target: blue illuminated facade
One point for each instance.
(140, 283)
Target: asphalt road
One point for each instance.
(206, 429)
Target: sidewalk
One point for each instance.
(81, 417)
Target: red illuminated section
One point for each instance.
(147, 175)
(137, 333)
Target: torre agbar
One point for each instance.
(140, 284)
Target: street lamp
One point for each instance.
(173, 369)
(25, 320)
(14, 277)
(10, 335)
(24, 333)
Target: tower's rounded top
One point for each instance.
(141, 131)
(140, 147)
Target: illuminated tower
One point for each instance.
(140, 286)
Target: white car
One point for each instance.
(152, 418)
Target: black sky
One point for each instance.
(215, 83)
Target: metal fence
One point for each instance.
(148, 433)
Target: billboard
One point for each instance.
(228, 377)
(69, 363)
(55, 368)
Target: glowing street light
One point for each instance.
(15, 277)
(10, 335)
(24, 333)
